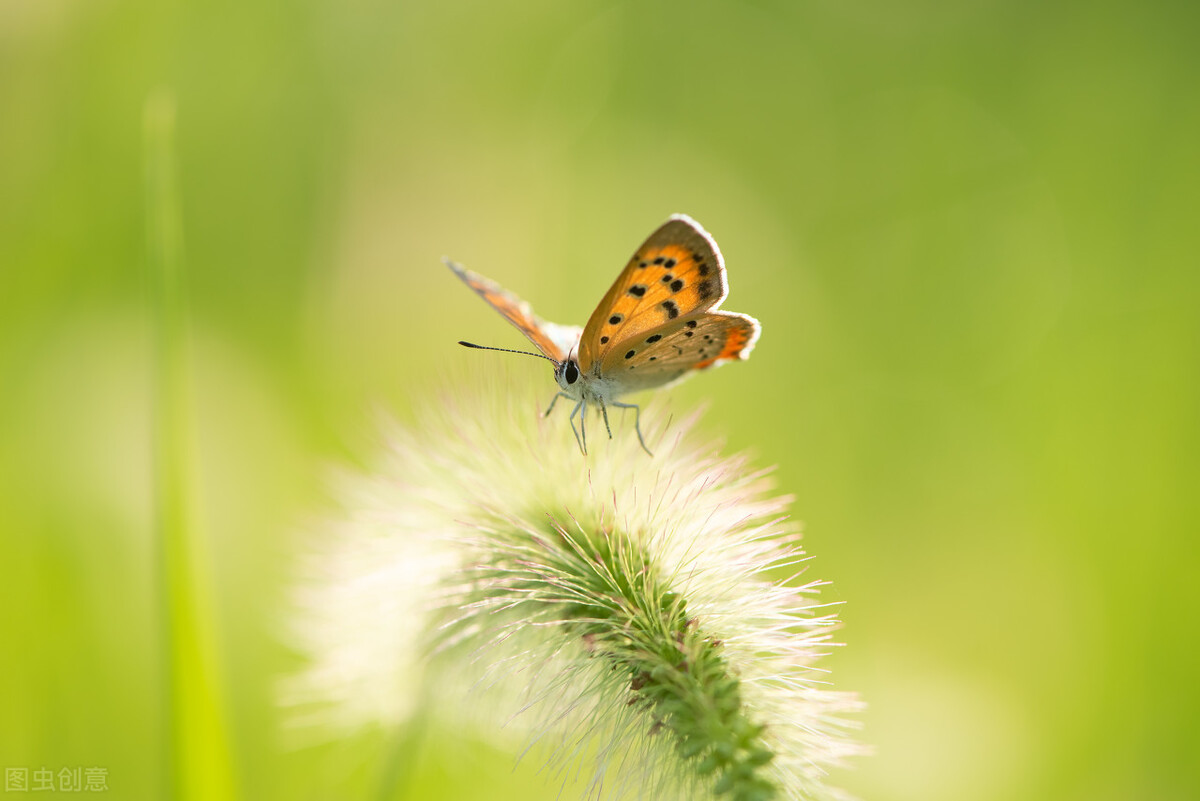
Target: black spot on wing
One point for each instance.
(615, 319)
(630, 354)
(677, 285)
(672, 309)
(705, 289)
(637, 290)
(652, 339)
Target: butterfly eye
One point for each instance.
(571, 373)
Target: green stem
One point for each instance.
(195, 750)
(400, 763)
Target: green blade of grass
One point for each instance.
(195, 754)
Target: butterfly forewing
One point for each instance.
(664, 354)
(552, 340)
(675, 274)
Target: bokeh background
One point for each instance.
(969, 229)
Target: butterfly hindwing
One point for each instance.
(552, 340)
(667, 353)
(676, 273)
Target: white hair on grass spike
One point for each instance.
(622, 612)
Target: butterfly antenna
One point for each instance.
(507, 350)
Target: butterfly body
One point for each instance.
(658, 323)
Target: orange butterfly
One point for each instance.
(658, 323)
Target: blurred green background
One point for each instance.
(969, 230)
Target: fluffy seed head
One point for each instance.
(624, 611)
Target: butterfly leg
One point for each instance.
(637, 421)
(550, 408)
(604, 411)
(581, 442)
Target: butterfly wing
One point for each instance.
(676, 273)
(674, 350)
(553, 340)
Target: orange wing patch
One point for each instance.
(739, 341)
(515, 310)
(676, 273)
(665, 284)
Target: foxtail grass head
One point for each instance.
(645, 622)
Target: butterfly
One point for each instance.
(657, 324)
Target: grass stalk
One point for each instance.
(195, 753)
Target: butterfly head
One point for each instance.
(567, 374)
